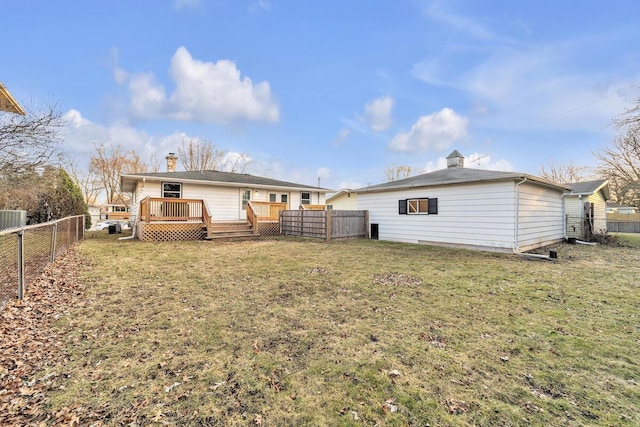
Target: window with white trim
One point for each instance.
(273, 197)
(305, 198)
(172, 190)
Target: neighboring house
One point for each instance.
(8, 102)
(94, 212)
(117, 211)
(585, 207)
(345, 199)
(224, 196)
(615, 208)
(467, 208)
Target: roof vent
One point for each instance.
(455, 160)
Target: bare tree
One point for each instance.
(197, 155)
(394, 173)
(107, 165)
(620, 164)
(29, 141)
(564, 174)
(630, 118)
(86, 180)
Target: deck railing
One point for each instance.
(268, 211)
(313, 207)
(169, 209)
(125, 216)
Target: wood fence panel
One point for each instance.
(346, 224)
(324, 224)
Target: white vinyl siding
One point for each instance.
(224, 203)
(478, 215)
(574, 207)
(540, 219)
(473, 215)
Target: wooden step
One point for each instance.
(231, 235)
(230, 230)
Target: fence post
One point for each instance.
(327, 222)
(20, 264)
(366, 224)
(54, 236)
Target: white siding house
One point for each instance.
(224, 193)
(586, 208)
(468, 208)
(345, 199)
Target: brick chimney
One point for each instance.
(172, 160)
(455, 160)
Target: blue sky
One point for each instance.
(339, 90)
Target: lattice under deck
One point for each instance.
(164, 232)
(269, 228)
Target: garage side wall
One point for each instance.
(471, 215)
(541, 218)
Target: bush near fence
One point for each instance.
(25, 251)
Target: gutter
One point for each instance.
(516, 219)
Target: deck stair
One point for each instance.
(230, 230)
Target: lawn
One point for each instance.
(302, 332)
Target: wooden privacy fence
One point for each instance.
(331, 224)
(623, 223)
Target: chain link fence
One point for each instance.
(25, 252)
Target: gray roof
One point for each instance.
(456, 175)
(222, 178)
(588, 187)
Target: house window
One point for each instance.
(273, 197)
(284, 198)
(119, 209)
(172, 190)
(422, 206)
(305, 198)
(246, 196)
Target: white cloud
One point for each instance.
(472, 161)
(205, 92)
(483, 161)
(342, 136)
(433, 132)
(378, 113)
(437, 12)
(80, 136)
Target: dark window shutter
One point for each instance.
(433, 206)
(402, 207)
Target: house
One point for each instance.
(119, 210)
(585, 207)
(615, 208)
(8, 102)
(467, 208)
(189, 203)
(94, 212)
(344, 199)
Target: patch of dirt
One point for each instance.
(28, 344)
(394, 279)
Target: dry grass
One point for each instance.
(300, 332)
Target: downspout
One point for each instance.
(516, 219)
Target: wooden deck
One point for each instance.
(167, 219)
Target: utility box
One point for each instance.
(115, 229)
(12, 219)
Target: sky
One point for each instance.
(333, 92)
